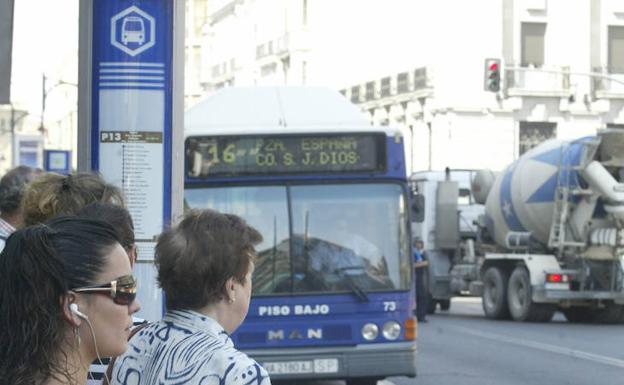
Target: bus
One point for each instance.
(333, 293)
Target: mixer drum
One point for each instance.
(523, 194)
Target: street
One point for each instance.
(462, 347)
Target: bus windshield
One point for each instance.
(338, 236)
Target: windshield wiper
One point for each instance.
(355, 288)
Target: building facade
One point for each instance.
(421, 66)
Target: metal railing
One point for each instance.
(544, 79)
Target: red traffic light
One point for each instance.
(492, 74)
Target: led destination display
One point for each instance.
(285, 154)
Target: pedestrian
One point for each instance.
(204, 264)
(420, 266)
(86, 195)
(52, 322)
(53, 194)
(121, 220)
(12, 187)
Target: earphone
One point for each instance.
(74, 309)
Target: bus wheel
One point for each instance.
(445, 304)
(494, 298)
(362, 381)
(521, 305)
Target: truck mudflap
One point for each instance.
(379, 361)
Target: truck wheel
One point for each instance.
(495, 293)
(445, 304)
(611, 314)
(578, 314)
(521, 305)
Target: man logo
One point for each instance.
(279, 335)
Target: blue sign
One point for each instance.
(131, 118)
(58, 161)
(28, 150)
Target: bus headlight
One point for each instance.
(370, 331)
(391, 330)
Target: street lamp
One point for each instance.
(44, 95)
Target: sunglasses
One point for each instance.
(122, 290)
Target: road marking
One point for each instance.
(385, 382)
(546, 347)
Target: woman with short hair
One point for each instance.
(67, 296)
(205, 265)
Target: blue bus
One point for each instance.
(333, 293)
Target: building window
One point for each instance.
(268, 69)
(616, 49)
(420, 78)
(534, 133)
(385, 87)
(355, 94)
(402, 83)
(533, 44)
(370, 90)
(305, 13)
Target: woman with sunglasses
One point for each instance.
(67, 296)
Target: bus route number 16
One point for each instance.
(389, 306)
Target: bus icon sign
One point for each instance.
(133, 30)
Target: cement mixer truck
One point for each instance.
(545, 234)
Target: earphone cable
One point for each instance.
(97, 353)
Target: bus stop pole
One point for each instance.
(130, 123)
(177, 124)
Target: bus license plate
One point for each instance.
(328, 365)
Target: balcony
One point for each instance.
(608, 83)
(544, 81)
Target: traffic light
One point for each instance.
(492, 75)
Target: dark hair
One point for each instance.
(116, 216)
(54, 194)
(12, 187)
(38, 266)
(197, 257)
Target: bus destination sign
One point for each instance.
(284, 154)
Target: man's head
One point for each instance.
(418, 243)
(12, 186)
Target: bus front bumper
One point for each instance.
(339, 362)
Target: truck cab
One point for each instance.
(448, 229)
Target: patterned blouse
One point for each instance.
(186, 347)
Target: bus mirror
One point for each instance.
(418, 208)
